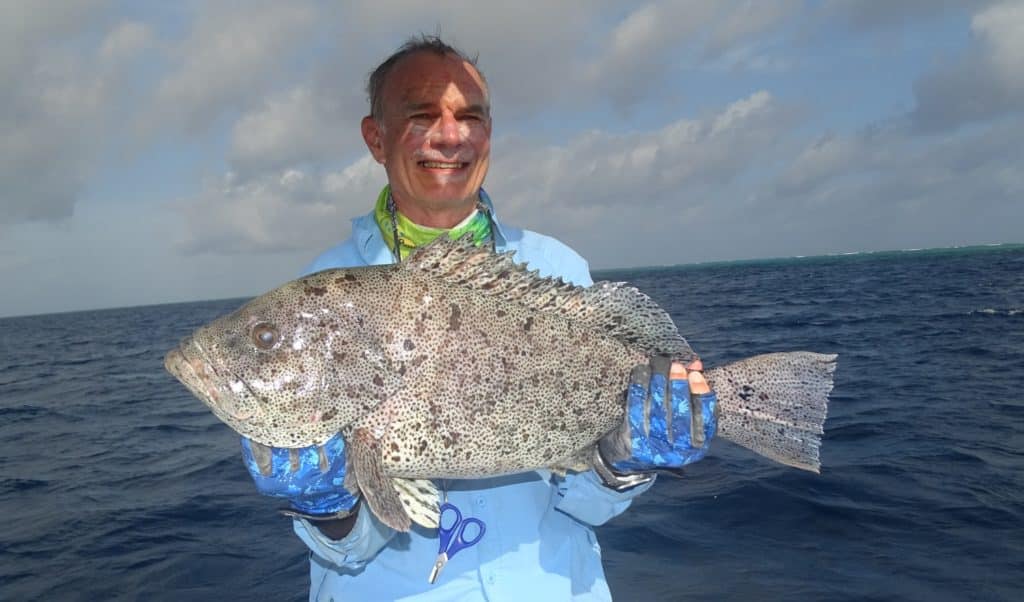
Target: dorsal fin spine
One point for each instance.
(613, 309)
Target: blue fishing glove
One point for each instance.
(314, 488)
(664, 428)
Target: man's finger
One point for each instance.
(696, 365)
(698, 386)
(677, 372)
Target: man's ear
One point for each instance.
(374, 138)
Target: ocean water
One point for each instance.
(116, 484)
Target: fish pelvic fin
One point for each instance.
(419, 498)
(776, 404)
(366, 467)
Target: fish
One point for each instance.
(460, 363)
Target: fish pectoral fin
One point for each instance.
(419, 498)
(365, 465)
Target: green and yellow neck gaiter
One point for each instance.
(412, 235)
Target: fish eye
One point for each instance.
(265, 336)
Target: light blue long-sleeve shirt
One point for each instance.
(539, 543)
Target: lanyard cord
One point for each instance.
(393, 213)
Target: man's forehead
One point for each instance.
(426, 77)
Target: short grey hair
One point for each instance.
(421, 43)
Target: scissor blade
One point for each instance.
(442, 559)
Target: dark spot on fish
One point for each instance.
(339, 356)
(331, 413)
(501, 313)
(396, 458)
(408, 345)
(746, 392)
(455, 319)
(350, 278)
(423, 446)
(763, 397)
(528, 324)
(319, 291)
(526, 436)
(469, 454)
(377, 380)
(401, 370)
(394, 446)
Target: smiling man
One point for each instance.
(434, 139)
(430, 127)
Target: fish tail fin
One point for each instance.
(775, 405)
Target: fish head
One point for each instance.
(283, 370)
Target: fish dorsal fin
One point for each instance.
(611, 308)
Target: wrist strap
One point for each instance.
(294, 513)
(613, 479)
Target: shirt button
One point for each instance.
(481, 502)
(490, 579)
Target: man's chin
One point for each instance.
(449, 193)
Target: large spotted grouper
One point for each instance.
(460, 363)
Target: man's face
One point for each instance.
(434, 138)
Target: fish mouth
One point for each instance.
(188, 364)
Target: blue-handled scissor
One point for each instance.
(453, 537)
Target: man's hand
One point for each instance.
(663, 427)
(310, 480)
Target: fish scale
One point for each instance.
(460, 363)
(503, 384)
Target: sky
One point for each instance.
(155, 152)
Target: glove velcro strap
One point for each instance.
(613, 479)
(317, 517)
(340, 514)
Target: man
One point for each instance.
(430, 128)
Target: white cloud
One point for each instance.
(54, 110)
(235, 52)
(988, 82)
(277, 211)
(127, 40)
(1000, 30)
(893, 13)
(684, 174)
(307, 123)
(99, 98)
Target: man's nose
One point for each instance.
(447, 131)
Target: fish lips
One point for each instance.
(188, 365)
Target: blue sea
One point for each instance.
(116, 484)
